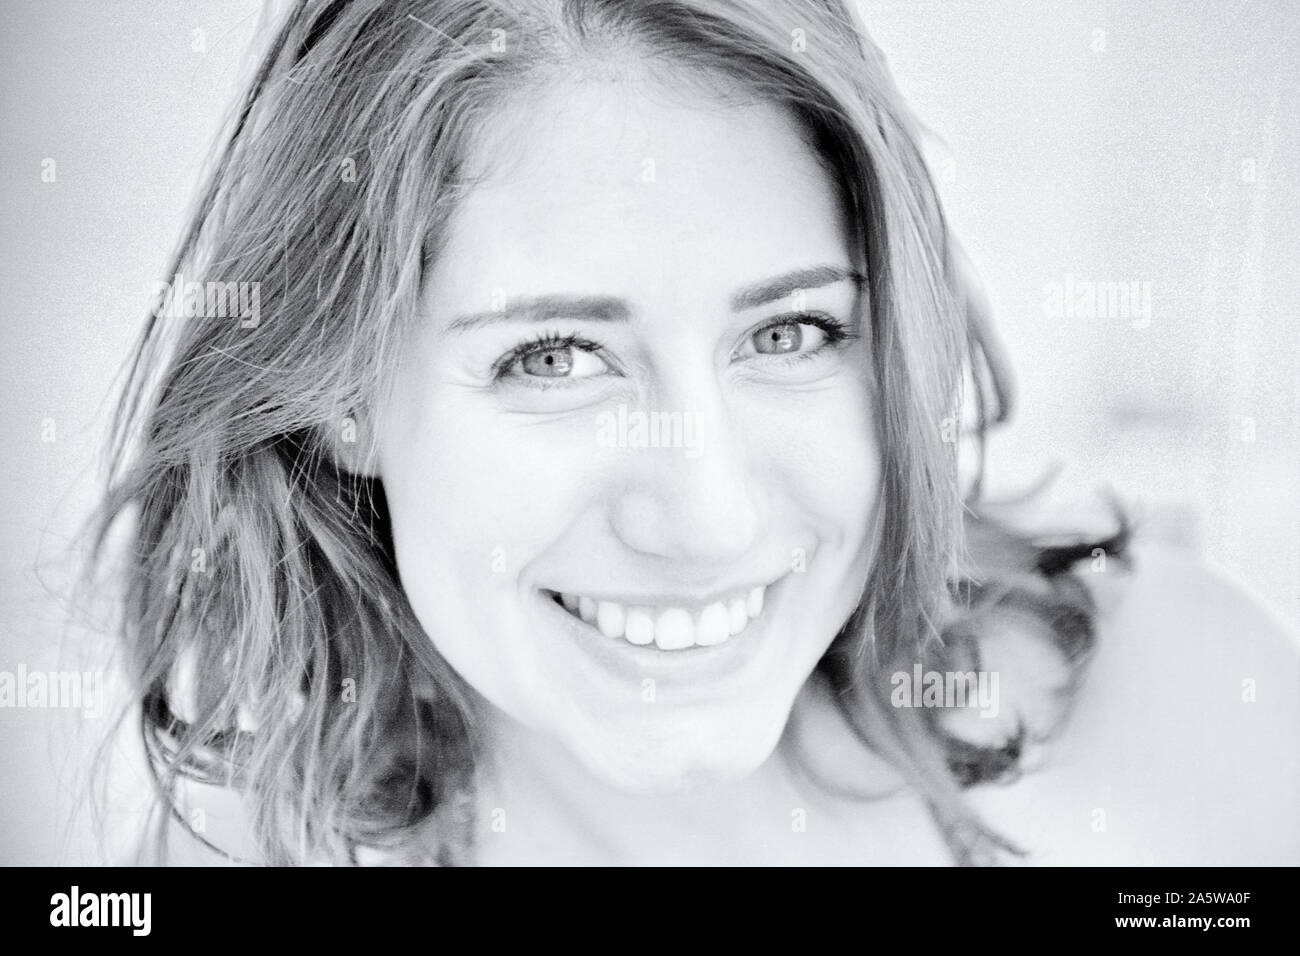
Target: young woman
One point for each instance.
(578, 482)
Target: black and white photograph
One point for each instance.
(650, 433)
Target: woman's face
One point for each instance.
(629, 451)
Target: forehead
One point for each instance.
(617, 186)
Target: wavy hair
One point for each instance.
(260, 574)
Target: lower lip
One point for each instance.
(624, 661)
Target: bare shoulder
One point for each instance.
(1183, 746)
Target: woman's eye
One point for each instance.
(802, 336)
(557, 360)
(786, 337)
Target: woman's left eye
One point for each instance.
(794, 336)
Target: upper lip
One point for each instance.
(700, 598)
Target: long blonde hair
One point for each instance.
(331, 192)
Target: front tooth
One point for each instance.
(714, 625)
(754, 604)
(738, 616)
(570, 603)
(610, 618)
(674, 630)
(587, 609)
(640, 626)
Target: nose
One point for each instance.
(699, 508)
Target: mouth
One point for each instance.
(669, 628)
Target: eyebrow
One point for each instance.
(800, 280)
(542, 308)
(601, 308)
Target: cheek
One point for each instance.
(473, 495)
(479, 486)
(822, 446)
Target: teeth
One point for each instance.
(669, 628)
(738, 615)
(640, 626)
(714, 625)
(610, 618)
(673, 630)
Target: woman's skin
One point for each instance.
(502, 490)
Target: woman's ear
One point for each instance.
(351, 441)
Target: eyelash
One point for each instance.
(836, 332)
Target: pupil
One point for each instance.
(783, 338)
(551, 363)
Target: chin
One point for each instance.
(688, 755)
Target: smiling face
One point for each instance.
(629, 452)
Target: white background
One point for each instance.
(1054, 157)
